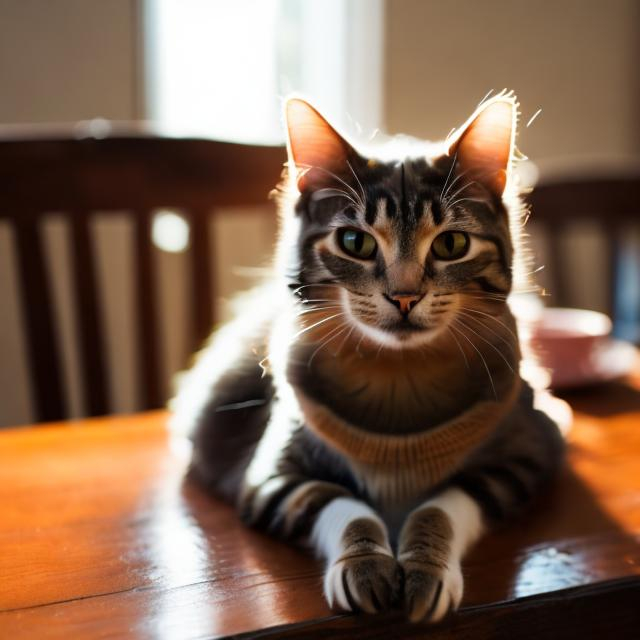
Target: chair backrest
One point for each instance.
(126, 172)
(609, 201)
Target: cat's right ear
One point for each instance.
(316, 150)
(485, 145)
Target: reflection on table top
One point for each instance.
(99, 536)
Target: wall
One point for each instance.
(575, 59)
(68, 60)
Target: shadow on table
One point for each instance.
(565, 540)
(256, 580)
(603, 400)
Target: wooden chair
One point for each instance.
(132, 172)
(609, 200)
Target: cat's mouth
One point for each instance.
(399, 331)
(400, 334)
(404, 327)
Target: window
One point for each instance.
(220, 68)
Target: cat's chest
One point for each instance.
(391, 488)
(395, 490)
(396, 470)
(392, 395)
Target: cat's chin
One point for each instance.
(399, 336)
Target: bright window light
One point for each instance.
(219, 68)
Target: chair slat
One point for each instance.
(40, 322)
(613, 265)
(608, 196)
(559, 289)
(89, 317)
(149, 359)
(129, 171)
(203, 290)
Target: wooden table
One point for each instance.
(100, 537)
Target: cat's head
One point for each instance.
(404, 249)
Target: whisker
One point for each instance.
(317, 309)
(493, 346)
(453, 164)
(458, 177)
(307, 300)
(339, 179)
(316, 284)
(500, 297)
(460, 190)
(334, 333)
(464, 355)
(329, 192)
(484, 294)
(317, 324)
(362, 191)
(489, 329)
(484, 362)
(344, 340)
(450, 205)
(501, 301)
(488, 315)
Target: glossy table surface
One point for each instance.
(101, 537)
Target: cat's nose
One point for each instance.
(404, 301)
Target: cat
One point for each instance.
(367, 401)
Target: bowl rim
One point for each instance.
(568, 323)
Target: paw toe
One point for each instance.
(369, 584)
(429, 596)
(422, 594)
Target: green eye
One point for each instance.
(450, 245)
(357, 243)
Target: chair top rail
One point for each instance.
(133, 171)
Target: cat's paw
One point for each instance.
(367, 582)
(432, 576)
(431, 592)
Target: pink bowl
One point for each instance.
(566, 340)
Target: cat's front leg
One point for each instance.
(361, 573)
(432, 542)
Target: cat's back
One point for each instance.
(223, 402)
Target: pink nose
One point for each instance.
(404, 301)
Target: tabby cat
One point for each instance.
(368, 400)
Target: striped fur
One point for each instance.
(388, 436)
(433, 540)
(362, 572)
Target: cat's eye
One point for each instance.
(450, 245)
(358, 244)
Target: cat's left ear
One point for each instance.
(485, 144)
(315, 148)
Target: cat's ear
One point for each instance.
(485, 144)
(315, 148)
